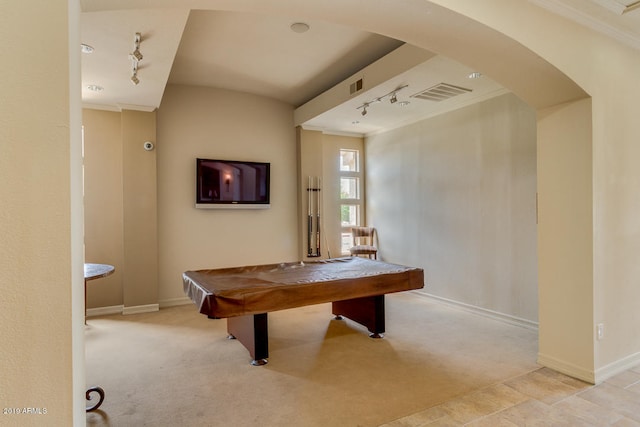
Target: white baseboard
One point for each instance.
(136, 309)
(121, 309)
(171, 302)
(566, 368)
(506, 318)
(104, 311)
(617, 367)
(600, 375)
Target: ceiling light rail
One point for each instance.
(136, 56)
(392, 99)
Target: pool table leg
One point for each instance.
(368, 311)
(251, 331)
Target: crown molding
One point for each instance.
(589, 21)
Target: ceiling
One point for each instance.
(262, 55)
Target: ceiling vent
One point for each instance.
(355, 87)
(441, 92)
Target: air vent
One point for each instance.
(355, 87)
(441, 92)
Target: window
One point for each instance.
(349, 188)
(350, 195)
(349, 160)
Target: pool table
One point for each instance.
(244, 295)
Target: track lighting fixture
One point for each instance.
(134, 75)
(393, 98)
(136, 56)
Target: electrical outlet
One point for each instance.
(600, 331)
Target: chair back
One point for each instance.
(364, 242)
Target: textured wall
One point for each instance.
(36, 137)
(455, 194)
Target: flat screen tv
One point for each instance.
(232, 184)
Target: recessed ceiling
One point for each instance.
(261, 54)
(238, 51)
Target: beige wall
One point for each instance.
(140, 212)
(455, 195)
(211, 123)
(103, 203)
(40, 278)
(121, 208)
(121, 182)
(565, 237)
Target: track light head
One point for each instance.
(136, 55)
(393, 99)
(364, 111)
(134, 79)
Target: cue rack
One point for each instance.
(313, 216)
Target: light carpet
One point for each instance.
(175, 367)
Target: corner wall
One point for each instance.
(121, 209)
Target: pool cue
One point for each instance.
(318, 220)
(309, 218)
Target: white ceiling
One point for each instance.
(111, 34)
(260, 54)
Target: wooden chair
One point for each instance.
(364, 242)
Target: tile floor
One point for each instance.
(540, 398)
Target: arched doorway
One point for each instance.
(565, 287)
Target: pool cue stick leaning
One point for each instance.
(309, 218)
(318, 219)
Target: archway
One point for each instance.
(565, 245)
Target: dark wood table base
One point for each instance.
(252, 329)
(367, 311)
